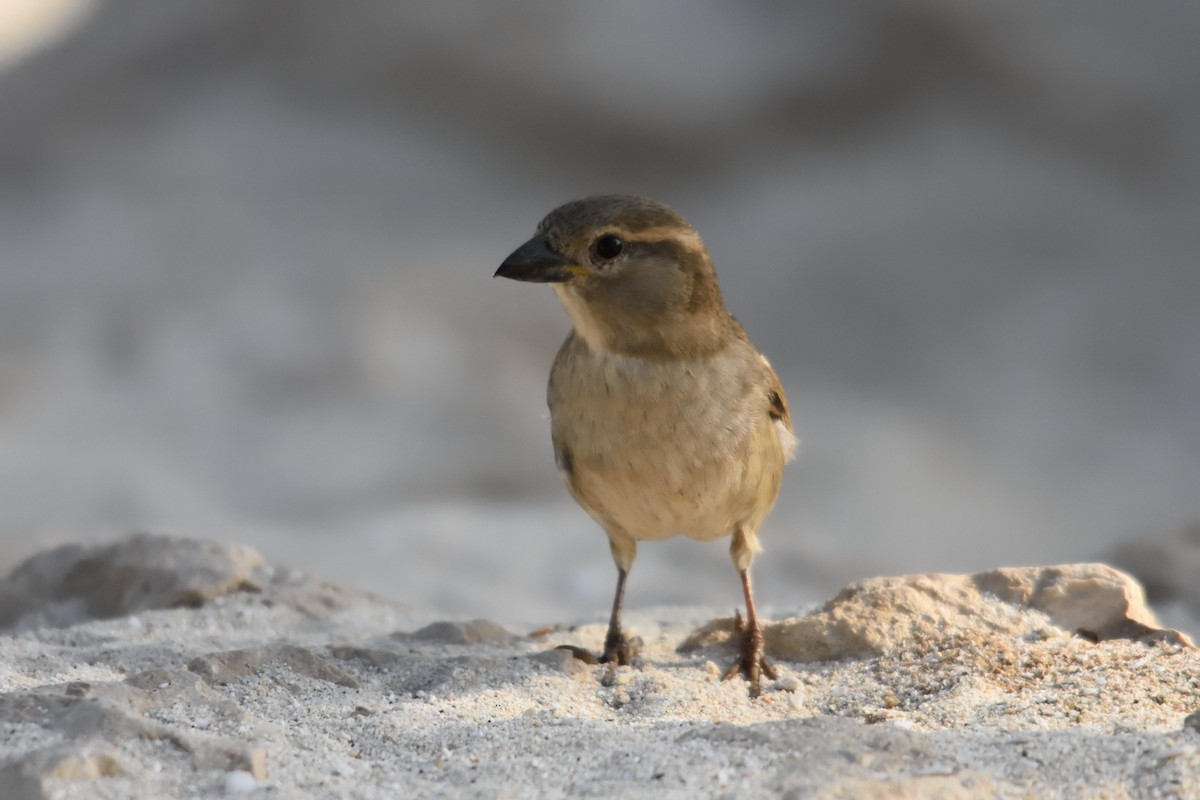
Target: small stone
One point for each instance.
(1192, 722)
(239, 781)
(788, 683)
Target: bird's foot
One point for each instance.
(619, 650)
(752, 663)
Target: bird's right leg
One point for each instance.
(619, 649)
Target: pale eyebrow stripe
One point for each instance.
(688, 238)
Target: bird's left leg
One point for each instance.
(752, 662)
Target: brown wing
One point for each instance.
(778, 410)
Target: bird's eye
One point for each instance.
(609, 246)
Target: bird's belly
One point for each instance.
(655, 487)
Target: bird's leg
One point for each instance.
(752, 663)
(619, 649)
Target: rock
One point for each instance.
(823, 739)
(1091, 599)
(476, 631)
(314, 597)
(228, 756)
(239, 782)
(136, 708)
(960, 786)
(788, 683)
(180, 688)
(112, 713)
(233, 665)
(885, 615)
(25, 778)
(563, 661)
(91, 717)
(447, 677)
(1192, 722)
(372, 656)
(139, 573)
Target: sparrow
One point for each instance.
(665, 418)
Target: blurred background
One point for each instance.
(246, 250)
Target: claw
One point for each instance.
(621, 650)
(751, 663)
(580, 653)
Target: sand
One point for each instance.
(206, 672)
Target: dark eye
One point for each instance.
(609, 246)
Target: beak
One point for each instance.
(535, 262)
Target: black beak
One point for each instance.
(535, 262)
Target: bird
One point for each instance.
(665, 419)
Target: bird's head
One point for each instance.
(632, 273)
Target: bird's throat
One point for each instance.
(583, 318)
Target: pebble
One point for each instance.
(239, 782)
(788, 683)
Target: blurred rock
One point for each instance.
(477, 631)
(91, 718)
(140, 573)
(181, 688)
(421, 676)
(884, 616)
(375, 657)
(220, 755)
(30, 777)
(962, 785)
(233, 665)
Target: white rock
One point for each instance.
(239, 781)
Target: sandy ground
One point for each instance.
(268, 683)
